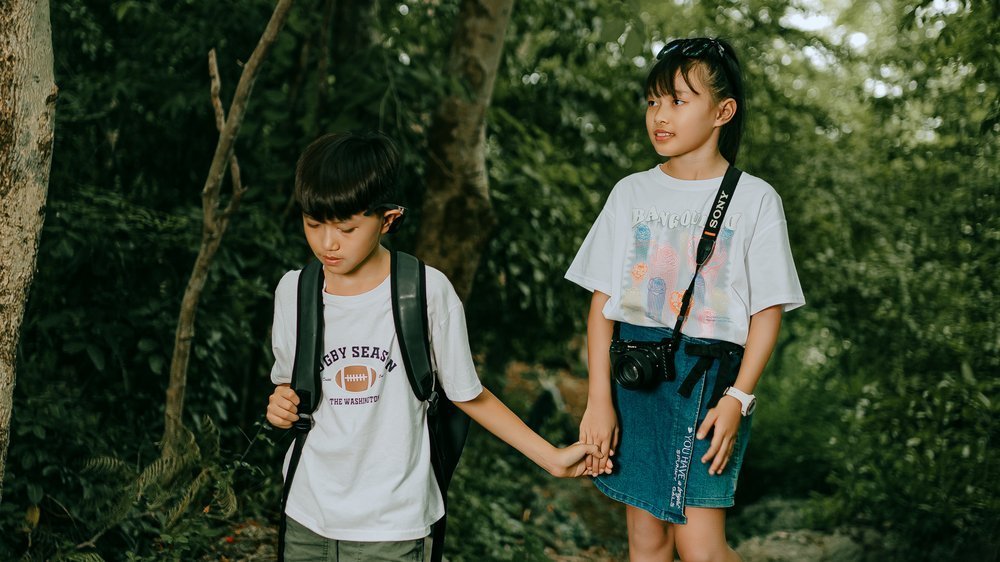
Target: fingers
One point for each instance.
(605, 448)
(585, 437)
(581, 453)
(282, 407)
(723, 442)
(725, 450)
(706, 425)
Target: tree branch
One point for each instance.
(213, 226)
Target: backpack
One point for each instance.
(448, 426)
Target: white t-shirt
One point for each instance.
(365, 472)
(641, 252)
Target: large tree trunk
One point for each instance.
(457, 213)
(27, 106)
(214, 223)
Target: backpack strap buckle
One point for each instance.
(304, 423)
(432, 403)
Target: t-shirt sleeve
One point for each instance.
(773, 279)
(592, 266)
(450, 341)
(283, 329)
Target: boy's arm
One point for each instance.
(492, 414)
(726, 415)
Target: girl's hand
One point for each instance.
(599, 427)
(570, 462)
(725, 417)
(282, 407)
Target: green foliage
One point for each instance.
(879, 404)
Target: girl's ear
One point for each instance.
(727, 109)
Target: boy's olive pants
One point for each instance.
(303, 545)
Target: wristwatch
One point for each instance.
(747, 401)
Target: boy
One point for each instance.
(364, 487)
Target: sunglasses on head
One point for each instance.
(693, 48)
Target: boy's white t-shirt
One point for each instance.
(365, 471)
(641, 252)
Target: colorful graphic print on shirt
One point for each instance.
(661, 261)
(357, 382)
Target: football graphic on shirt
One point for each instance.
(356, 378)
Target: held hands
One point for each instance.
(725, 417)
(571, 461)
(282, 407)
(599, 427)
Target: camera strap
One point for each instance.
(706, 246)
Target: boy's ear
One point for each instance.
(727, 109)
(392, 220)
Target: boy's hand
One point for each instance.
(570, 462)
(282, 407)
(725, 417)
(599, 427)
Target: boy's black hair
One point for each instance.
(342, 174)
(720, 68)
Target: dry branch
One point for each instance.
(214, 223)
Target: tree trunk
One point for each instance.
(214, 224)
(457, 213)
(27, 106)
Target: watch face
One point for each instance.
(751, 406)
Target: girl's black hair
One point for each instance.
(342, 174)
(721, 73)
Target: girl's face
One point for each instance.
(688, 124)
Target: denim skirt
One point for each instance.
(657, 464)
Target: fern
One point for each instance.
(225, 497)
(199, 483)
(160, 471)
(111, 466)
(81, 557)
(211, 438)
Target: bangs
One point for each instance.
(662, 78)
(348, 198)
(341, 176)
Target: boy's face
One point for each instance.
(345, 247)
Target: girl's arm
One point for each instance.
(726, 415)
(491, 413)
(600, 423)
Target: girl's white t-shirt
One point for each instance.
(641, 252)
(365, 471)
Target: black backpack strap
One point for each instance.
(408, 278)
(448, 426)
(305, 373)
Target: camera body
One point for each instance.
(641, 365)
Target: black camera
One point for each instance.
(639, 365)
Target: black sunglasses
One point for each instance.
(693, 48)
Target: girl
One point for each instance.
(679, 437)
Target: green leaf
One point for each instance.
(35, 494)
(96, 356)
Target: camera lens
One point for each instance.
(629, 374)
(636, 369)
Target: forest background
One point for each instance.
(877, 122)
